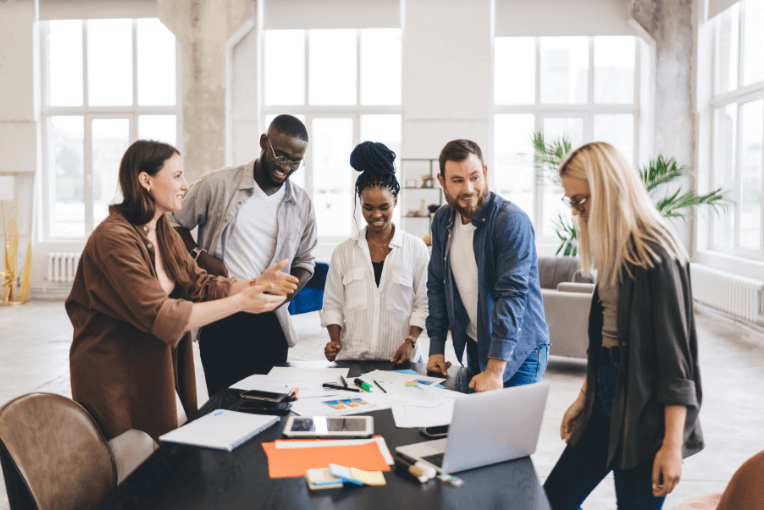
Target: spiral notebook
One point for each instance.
(221, 429)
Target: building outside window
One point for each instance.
(105, 84)
(581, 87)
(345, 85)
(738, 128)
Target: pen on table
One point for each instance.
(364, 385)
(344, 382)
(380, 386)
(412, 470)
(338, 387)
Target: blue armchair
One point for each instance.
(311, 297)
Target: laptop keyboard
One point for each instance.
(435, 460)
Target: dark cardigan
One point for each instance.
(659, 362)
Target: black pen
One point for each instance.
(380, 386)
(338, 387)
(344, 383)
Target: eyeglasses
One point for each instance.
(578, 205)
(283, 161)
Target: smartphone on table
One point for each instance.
(268, 396)
(435, 432)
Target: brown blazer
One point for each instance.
(130, 352)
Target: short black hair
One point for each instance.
(290, 126)
(375, 162)
(459, 150)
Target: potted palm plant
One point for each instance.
(656, 174)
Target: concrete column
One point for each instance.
(19, 116)
(446, 74)
(203, 27)
(671, 24)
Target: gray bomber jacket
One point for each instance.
(659, 362)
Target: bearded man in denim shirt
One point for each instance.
(483, 282)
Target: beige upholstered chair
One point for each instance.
(567, 301)
(55, 456)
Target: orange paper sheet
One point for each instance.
(292, 462)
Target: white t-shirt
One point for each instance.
(465, 271)
(252, 241)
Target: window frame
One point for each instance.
(89, 113)
(587, 111)
(737, 97)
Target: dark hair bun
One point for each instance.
(373, 157)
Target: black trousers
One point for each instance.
(239, 346)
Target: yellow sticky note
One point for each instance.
(368, 477)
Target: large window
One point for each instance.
(583, 88)
(106, 83)
(738, 128)
(345, 84)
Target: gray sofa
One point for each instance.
(567, 300)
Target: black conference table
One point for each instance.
(185, 477)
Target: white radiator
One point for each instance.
(62, 266)
(736, 295)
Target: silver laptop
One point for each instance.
(486, 428)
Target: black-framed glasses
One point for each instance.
(283, 161)
(578, 205)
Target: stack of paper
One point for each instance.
(321, 478)
(357, 476)
(309, 380)
(291, 458)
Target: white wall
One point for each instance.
(19, 115)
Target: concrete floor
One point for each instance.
(34, 350)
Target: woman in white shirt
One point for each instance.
(375, 298)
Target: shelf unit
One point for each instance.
(411, 196)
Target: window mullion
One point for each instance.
(590, 73)
(88, 194)
(85, 63)
(538, 188)
(135, 62)
(358, 67)
(740, 50)
(306, 100)
(738, 174)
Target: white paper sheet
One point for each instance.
(393, 377)
(340, 442)
(309, 380)
(316, 407)
(413, 416)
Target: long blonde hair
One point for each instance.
(622, 219)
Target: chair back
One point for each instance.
(52, 445)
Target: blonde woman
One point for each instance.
(637, 412)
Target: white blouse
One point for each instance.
(376, 320)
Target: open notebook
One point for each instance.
(221, 429)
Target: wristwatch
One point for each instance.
(413, 339)
(196, 251)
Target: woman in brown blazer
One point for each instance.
(138, 294)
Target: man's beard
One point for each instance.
(467, 212)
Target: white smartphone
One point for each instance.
(329, 426)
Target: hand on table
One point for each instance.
(332, 349)
(438, 363)
(404, 352)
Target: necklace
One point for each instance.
(382, 247)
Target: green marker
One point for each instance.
(362, 384)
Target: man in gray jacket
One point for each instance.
(250, 218)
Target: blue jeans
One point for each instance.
(582, 467)
(531, 371)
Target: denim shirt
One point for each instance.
(511, 321)
(212, 203)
